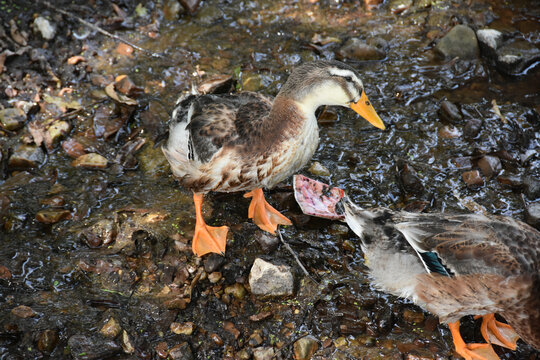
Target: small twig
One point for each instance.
(104, 32)
(296, 257)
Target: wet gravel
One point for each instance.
(95, 252)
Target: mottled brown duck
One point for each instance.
(249, 141)
(450, 265)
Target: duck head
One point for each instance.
(329, 83)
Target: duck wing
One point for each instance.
(204, 124)
(471, 244)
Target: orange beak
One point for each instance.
(363, 108)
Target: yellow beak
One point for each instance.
(363, 108)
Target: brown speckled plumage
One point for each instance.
(244, 141)
(455, 265)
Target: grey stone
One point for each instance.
(459, 42)
(181, 352)
(489, 39)
(450, 112)
(532, 187)
(472, 128)
(532, 215)
(267, 279)
(305, 347)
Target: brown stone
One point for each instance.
(47, 341)
(186, 328)
(51, 216)
(490, 165)
(472, 178)
(23, 311)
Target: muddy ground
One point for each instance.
(95, 256)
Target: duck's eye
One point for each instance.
(348, 78)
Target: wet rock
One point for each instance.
(12, 118)
(450, 112)
(181, 352)
(532, 215)
(44, 27)
(51, 216)
(490, 166)
(251, 82)
(216, 339)
(409, 180)
(209, 15)
(263, 353)
(515, 182)
(23, 311)
(73, 148)
(305, 347)
(55, 131)
(90, 161)
(190, 5)
(47, 340)
(102, 232)
(399, 6)
(126, 343)
(459, 42)
(84, 347)
(517, 57)
(4, 272)
(111, 329)
(318, 169)
(473, 179)
(244, 354)
(449, 132)
(413, 317)
(489, 40)
(213, 262)
(126, 86)
(356, 49)
(532, 187)
(183, 328)
(267, 241)
(171, 9)
(214, 277)
(162, 349)
(384, 320)
(53, 201)
(267, 279)
(472, 128)
(462, 162)
(26, 156)
(237, 290)
(338, 230)
(229, 327)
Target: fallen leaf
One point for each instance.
(109, 90)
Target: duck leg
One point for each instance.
(471, 351)
(498, 333)
(207, 239)
(263, 214)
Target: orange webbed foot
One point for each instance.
(263, 214)
(207, 239)
(471, 351)
(498, 333)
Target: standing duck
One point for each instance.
(247, 141)
(450, 265)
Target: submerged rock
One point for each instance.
(47, 340)
(12, 118)
(357, 49)
(459, 42)
(490, 165)
(472, 128)
(473, 179)
(84, 347)
(51, 216)
(90, 161)
(267, 279)
(517, 57)
(450, 112)
(532, 187)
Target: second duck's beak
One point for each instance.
(363, 108)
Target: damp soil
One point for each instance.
(95, 256)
